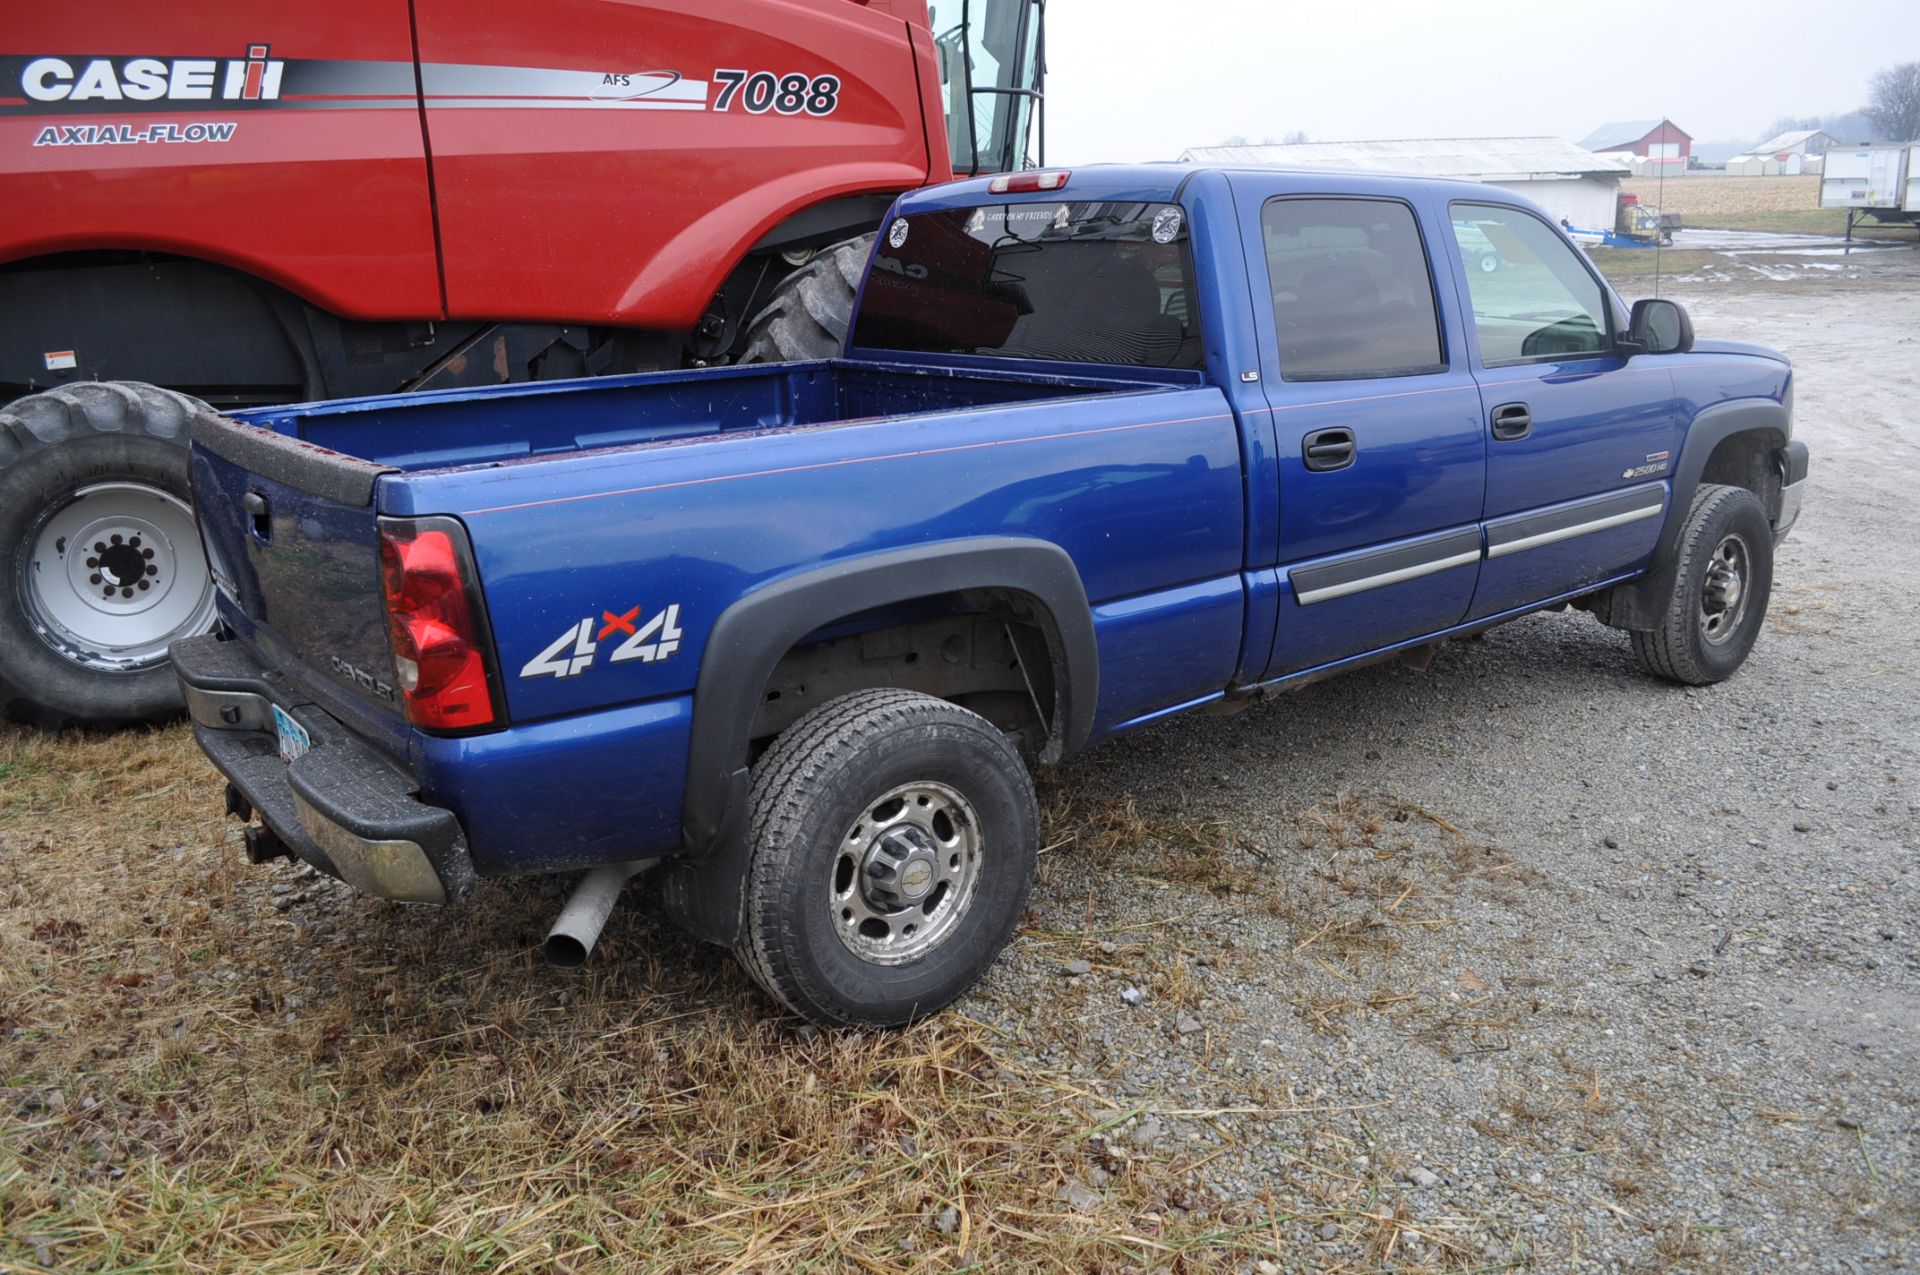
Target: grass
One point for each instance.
(196, 1081)
(1639, 265)
(1801, 221)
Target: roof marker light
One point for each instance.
(1025, 183)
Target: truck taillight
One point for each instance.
(1024, 183)
(442, 653)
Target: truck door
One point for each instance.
(1580, 437)
(1376, 420)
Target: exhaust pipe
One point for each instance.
(578, 926)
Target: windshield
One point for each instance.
(989, 79)
(1086, 282)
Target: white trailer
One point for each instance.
(1863, 177)
(1912, 202)
(1869, 181)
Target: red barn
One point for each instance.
(1660, 141)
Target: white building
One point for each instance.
(1570, 183)
(1803, 141)
(1789, 155)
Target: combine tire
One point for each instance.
(807, 318)
(100, 565)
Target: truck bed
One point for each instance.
(502, 424)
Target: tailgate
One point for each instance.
(290, 533)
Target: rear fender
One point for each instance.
(704, 889)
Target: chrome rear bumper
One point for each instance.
(343, 806)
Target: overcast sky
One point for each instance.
(1144, 79)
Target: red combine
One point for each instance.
(252, 205)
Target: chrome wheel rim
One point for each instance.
(114, 575)
(1725, 593)
(906, 873)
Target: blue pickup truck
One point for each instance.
(1104, 446)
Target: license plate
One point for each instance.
(294, 740)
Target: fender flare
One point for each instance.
(704, 886)
(1639, 604)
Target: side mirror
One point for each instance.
(1660, 327)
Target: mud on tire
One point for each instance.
(83, 643)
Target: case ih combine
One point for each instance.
(252, 206)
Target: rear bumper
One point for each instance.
(344, 806)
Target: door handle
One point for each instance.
(1511, 421)
(255, 505)
(1328, 449)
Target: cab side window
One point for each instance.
(1352, 291)
(1533, 298)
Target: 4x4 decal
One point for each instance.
(575, 650)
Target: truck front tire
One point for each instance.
(1722, 580)
(893, 840)
(100, 564)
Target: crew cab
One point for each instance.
(1102, 446)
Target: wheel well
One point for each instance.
(254, 342)
(1746, 460)
(993, 651)
(120, 313)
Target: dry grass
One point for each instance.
(1780, 205)
(197, 1081)
(1802, 221)
(1637, 267)
(1367, 876)
(1198, 853)
(1718, 194)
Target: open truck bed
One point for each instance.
(498, 425)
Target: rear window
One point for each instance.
(1084, 282)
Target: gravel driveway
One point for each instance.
(1529, 958)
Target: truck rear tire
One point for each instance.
(1722, 581)
(100, 563)
(893, 842)
(808, 316)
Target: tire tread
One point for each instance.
(799, 762)
(41, 422)
(1669, 650)
(808, 315)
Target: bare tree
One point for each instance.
(1894, 102)
(1795, 123)
(1296, 137)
